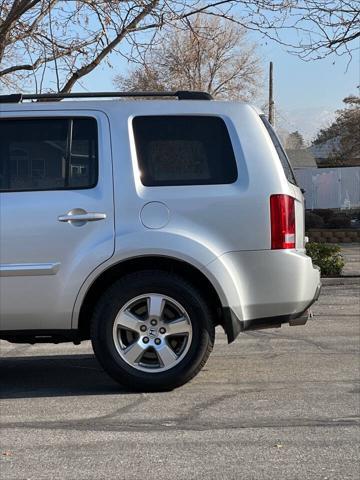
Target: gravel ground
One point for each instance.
(275, 404)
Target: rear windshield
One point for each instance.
(280, 151)
(184, 150)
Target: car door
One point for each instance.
(56, 213)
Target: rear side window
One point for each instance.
(184, 150)
(280, 151)
(48, 154)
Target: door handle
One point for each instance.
(84, 217)
(79, 217)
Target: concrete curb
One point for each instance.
(341, 281)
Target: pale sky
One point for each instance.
(306, 93)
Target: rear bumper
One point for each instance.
(265, 289)
(233, 325)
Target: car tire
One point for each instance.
(152, 331)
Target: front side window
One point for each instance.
(48, 154)
(184, 150)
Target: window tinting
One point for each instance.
(48, 154)
(280, 151)
(184, 150)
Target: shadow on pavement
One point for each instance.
(54, 376)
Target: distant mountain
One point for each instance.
(308, 121)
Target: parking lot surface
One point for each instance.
(275, 404)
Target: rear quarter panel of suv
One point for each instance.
(220, 217)
(223, 230)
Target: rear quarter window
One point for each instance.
(184, 150)
(280, 151)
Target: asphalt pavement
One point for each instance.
(275, 404)
(351, 255)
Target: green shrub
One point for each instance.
(313, 221)
(339, 221)
(327, 257)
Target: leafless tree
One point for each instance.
(65, 40)
(211, 55)
(323, 27)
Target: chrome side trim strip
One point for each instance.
(28, 269)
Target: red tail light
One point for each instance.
(282, 212)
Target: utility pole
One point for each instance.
(271, 97)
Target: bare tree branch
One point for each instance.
(211, 55)
(94, 63)
(68, 39)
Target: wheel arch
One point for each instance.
(150, 262)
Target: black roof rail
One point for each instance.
(12, 98)
(181, 95)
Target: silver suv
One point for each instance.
(142, 225)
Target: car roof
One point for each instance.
(148, 107)
(107, 101)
